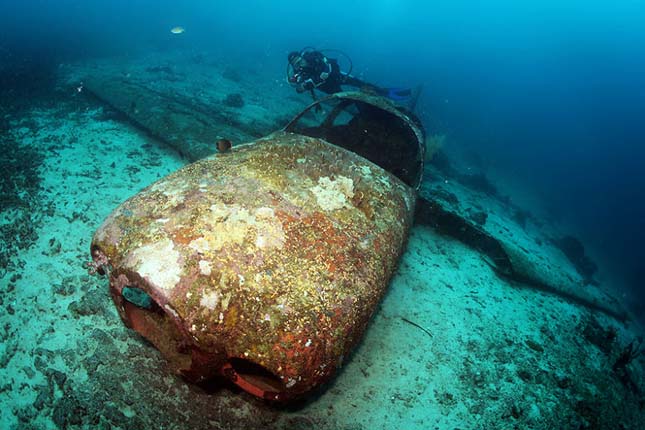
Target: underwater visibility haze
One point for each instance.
(512, 297)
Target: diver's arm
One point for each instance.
(305, 85)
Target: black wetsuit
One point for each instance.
(324, 74)
(317, 72)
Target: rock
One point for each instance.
(91, 304)
(68, 411)
(534, 345)
(563, 381)
(44, 397)
(67, 287)
(594, 333)
(54, 247)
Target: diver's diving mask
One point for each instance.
(299, 63)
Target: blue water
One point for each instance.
(549, 91)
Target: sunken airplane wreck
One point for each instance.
(264, 263)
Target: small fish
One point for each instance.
(177, 30)
(224, 145)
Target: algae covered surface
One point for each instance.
(260, 256)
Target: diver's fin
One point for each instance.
(404, 96)
(398, 94)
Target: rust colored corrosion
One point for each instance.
(263, 265)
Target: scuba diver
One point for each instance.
(310, 69)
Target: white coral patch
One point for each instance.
(205, 267)
(200, 245)
(261, 241)
(210, 300)
(158, 262)
(228, 224)
(264, 213)
(333, 194)
(233, 224)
